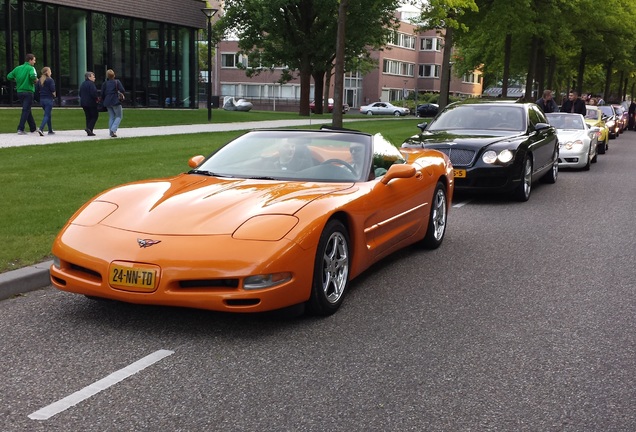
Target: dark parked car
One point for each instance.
(427, 110)
(493, 146)
(611, 120)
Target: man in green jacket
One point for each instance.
(25, 77)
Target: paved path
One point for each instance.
(15, 140)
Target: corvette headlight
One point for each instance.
(491, 156)
(266, 281)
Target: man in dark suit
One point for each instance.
(574, 104)
(546, 103)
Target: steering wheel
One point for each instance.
(341, 162)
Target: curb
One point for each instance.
(26, 279)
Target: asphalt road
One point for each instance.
(522, 321)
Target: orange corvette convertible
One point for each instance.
(275, 218)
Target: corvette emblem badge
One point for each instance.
(144, 243)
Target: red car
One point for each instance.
(312, 107)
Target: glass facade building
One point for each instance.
(156, 60)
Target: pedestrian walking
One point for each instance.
(112, 95)
(88, 100)
(25, 77)
(632, 116)
(46, 87)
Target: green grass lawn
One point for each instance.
(42, 186)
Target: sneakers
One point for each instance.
(113, 134)
(22, 133)
(88, 131)
(40, 132)
(50, 133)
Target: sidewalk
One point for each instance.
(15, 140)
(37, 276)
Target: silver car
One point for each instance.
(577, 140)
(384, 108)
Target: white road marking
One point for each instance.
(91, 390)
(461, 204)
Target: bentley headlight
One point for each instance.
(491, 156)
(505, 156)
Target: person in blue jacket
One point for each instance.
(46, 87)
(111, 89)
(88, 100)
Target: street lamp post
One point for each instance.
(209, 13)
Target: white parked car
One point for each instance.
(384, 108)
(578, 141)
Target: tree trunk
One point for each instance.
(581, 72)
(506, 66)
(340, 60)
(540, 69)
(319, 83)
(445, 78)
(608, 81)
(305, 87)
(530, 76)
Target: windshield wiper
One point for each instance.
(207, 173)
(262, 178)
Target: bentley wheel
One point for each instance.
(553, 174)
(523, 190)
(437, 218)
(331, 270)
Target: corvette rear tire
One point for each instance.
(437, 218)
(331, 270)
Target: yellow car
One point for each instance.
(594, 117)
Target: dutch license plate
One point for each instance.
(133, 276)
(459, 173)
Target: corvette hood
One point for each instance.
(194, 205)
(463, 139)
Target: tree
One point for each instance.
(445, 15)
(301, 35)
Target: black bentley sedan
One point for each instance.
(500, 147)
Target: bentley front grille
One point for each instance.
(459, 157)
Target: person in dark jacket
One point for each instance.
(547, 103)
(88, 100)
(574, 104)
(632, 116)
(46, 87)
(110, 98)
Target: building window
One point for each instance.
(429, 71)
(471, 78)
(430, 44)
(394, 67)
(402, 40)
(228, 60)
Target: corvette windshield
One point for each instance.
(330, 156)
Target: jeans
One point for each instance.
(115, 114)
(26, 99)
(47, 106)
